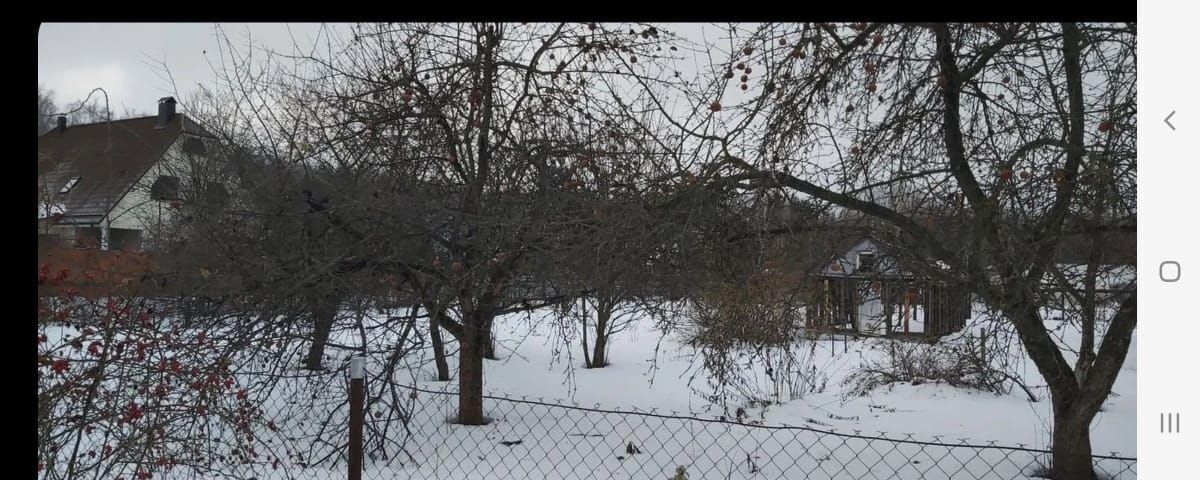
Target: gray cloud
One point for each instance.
(124, 58)
(74, 58)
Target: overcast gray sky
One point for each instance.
(74, 58)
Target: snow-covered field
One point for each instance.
(655, 396)
(652, 373)
(643, 378)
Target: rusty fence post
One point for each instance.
(357, 374)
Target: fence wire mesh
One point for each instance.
(534, 438)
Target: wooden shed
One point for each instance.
(865, 291)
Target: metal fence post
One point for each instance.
(357, 373)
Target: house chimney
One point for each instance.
(62, 124)
(166, 112)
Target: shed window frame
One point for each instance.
(871, 263)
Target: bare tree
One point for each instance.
(46, 109)
(1012, 128)
(471, 137)
(93, 109)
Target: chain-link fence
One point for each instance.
(283, 424)
(532, 438)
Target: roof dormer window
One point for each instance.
(69, 185)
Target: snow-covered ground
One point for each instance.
(655, 380)
(650, 372)
(646, 373)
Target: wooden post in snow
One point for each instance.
(908, 297)
(355, 454)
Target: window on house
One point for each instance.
(165, 188)
(125, 239)
(866, 261)
(194, 146)
(70, 184)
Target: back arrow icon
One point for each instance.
(1168, 119)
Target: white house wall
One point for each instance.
(137, 210)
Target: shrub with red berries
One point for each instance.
(135, 388)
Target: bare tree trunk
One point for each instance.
(489, 345)
(1076, 405)
(587, 359)
(439, 348)
(470, 368)
(1087, 324)
(888, 309)
(599, 360)
(437, 321)
(604, 309)
(1087, 344)
(324, 311)
(470, 380)
(1072, 445)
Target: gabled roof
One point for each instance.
(846, 260)
(886, 263)
(106, 158)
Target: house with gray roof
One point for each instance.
(104, 185)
